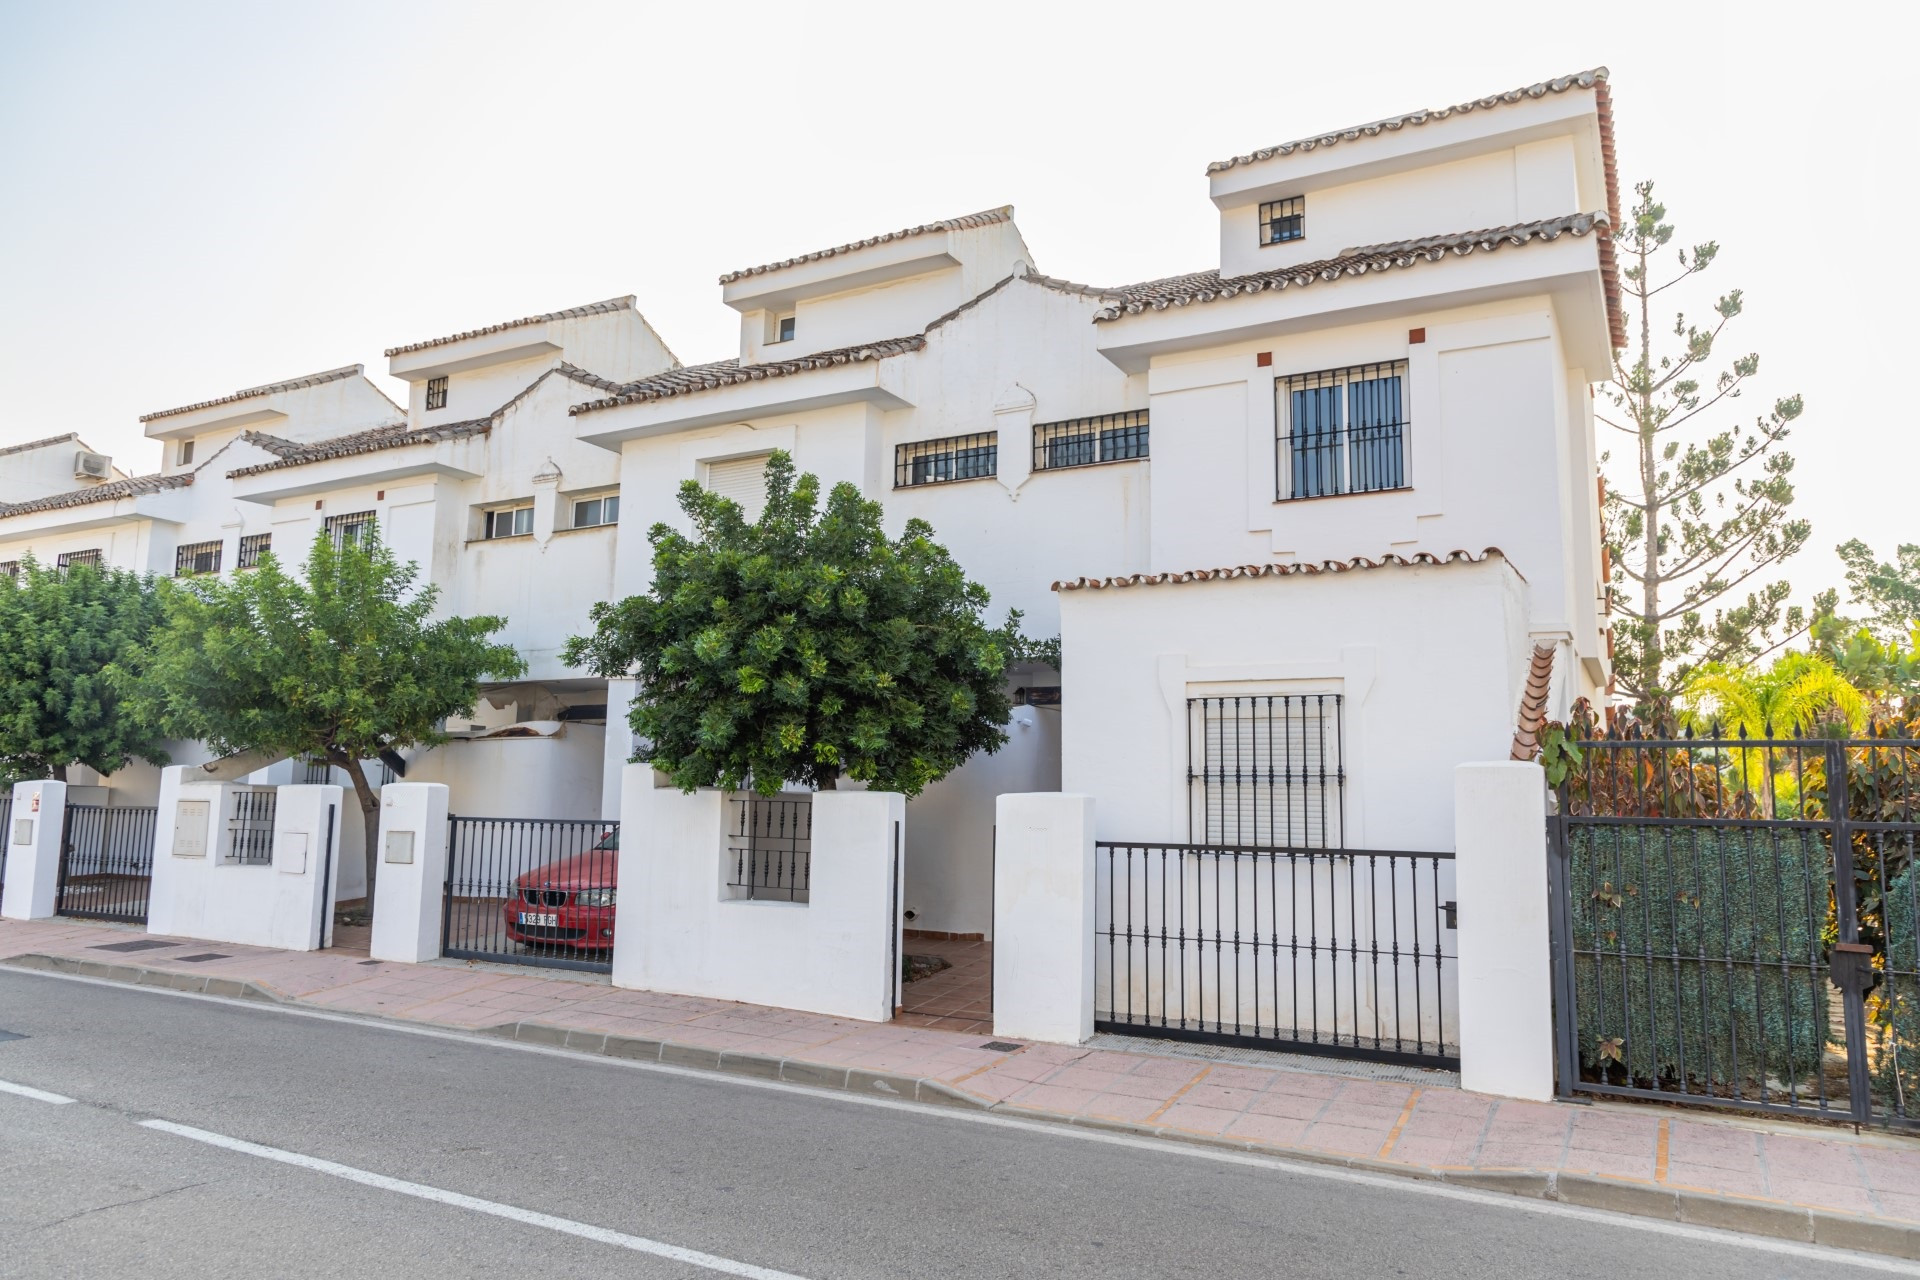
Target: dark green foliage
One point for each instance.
(1699, 958)
(60, 629)
(1895, 1006)
(804, 646)
(1889, 591)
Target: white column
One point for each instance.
(33, 850)
(307, 824)
(408, 894)
(1506, 960)
(1043, 970)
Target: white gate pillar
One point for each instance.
(408, 894)
(33, 850)
(1506, 958)
(1043, 971)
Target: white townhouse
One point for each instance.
(1312, 521)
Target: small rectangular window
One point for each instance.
(9, 568)
(349, 530)
(78, 559)
(252, 547)
(186, 453)
(784, 330)
(436, 393)
(1341, 431)
(970, 457)
(591, 512)
(1283, 220)
(510, 522)
(1082, 442)
(196, 558)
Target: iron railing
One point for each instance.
(538, 891)
(250, 816)
(1737, 923)
(1341, 431)
(106, 863)
(1265, 770)
(1086, 442)
(1318, 951)
(968, 457)
(770, 847)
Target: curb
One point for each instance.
(1773, 1219)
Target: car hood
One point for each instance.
(594, 869)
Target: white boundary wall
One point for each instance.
(1506, 958)
(1043, 954)
(680, 931)
(33, 864)
(409, 895)
(197, 892)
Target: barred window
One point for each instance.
(1083, 442)
(1341, 431)
(349, 530)
(1265, 770)
(436, 393)
(970, 457)
(252, 547)
(1283, 220)
(195, 558)
(90, 559)
(9, 568)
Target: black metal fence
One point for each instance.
(106, 863)
(770, 847)
(537, 891)
(1344, 952)
(250, 817)
(1735, 924)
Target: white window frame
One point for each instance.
(601, 500)
(488, 522)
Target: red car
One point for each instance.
(567, 904)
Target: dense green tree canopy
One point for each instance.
(60, 630)
(804, 646)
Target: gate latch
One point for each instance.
(1452, 911)
(1852, 966)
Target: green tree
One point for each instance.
(60, 630)
(1704, 507)
(805, 646)
(1890, 592)
(343, 663)
(1797, 693)
(1880, 669)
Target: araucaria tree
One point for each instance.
(1703, 508)
(60, 630)
(804, 647)
(342, 664)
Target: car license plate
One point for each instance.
(540, 919)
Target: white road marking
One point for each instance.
(513, 1213)
(38, 1095)
(1054, 1129)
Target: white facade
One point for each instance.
(1452, 265)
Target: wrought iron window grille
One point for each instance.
(78, 559)
(349, 529)
(252, 546)
(770, 847)
(196, 558)
(1283, 220)
(250, 816)
(436, 393)
(946, 460)
(1086, 442)
(1341, 431)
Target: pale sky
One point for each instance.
(196, 198)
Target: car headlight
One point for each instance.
(593, 898)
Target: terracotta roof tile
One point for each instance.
(1596, 78)
(726, 373)
(112, 491)
(31, 445)
(1278, 570)
(985, 218)
(571, 313)
(1533, 704)
(1210, 286)
(291, 384)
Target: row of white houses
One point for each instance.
(1302, 517)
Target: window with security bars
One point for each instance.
(436, 393)
(252, 547)
(1265, 770)
(349, 530)
(1084, 442)
(196, 557)
(1283, 220)
(970, 457)
(1341, 431)
(9, 568)
(78, 559)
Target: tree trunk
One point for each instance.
(369, 815)
(1651, 676)
(59, 773)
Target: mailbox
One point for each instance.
(191, 819)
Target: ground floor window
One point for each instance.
(1265, 769)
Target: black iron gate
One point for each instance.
(537, 891)
(1735, 924)
(106, 863)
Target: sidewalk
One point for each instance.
(1778, 1178)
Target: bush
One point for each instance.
(1699, 962)
(1896, 1002)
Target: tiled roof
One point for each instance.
(291, 384)
(1533, 704)
(1393, 124)
(571, 313)
(1210, 286)
(1278, 570)
(31, 445)
(726, 373)
(112, 491)
(985, 218)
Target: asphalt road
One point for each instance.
(210, 1139)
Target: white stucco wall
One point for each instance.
(555, 776)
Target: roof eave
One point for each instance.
(461, 459)
(881, 383)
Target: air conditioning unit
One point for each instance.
(92, 466)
